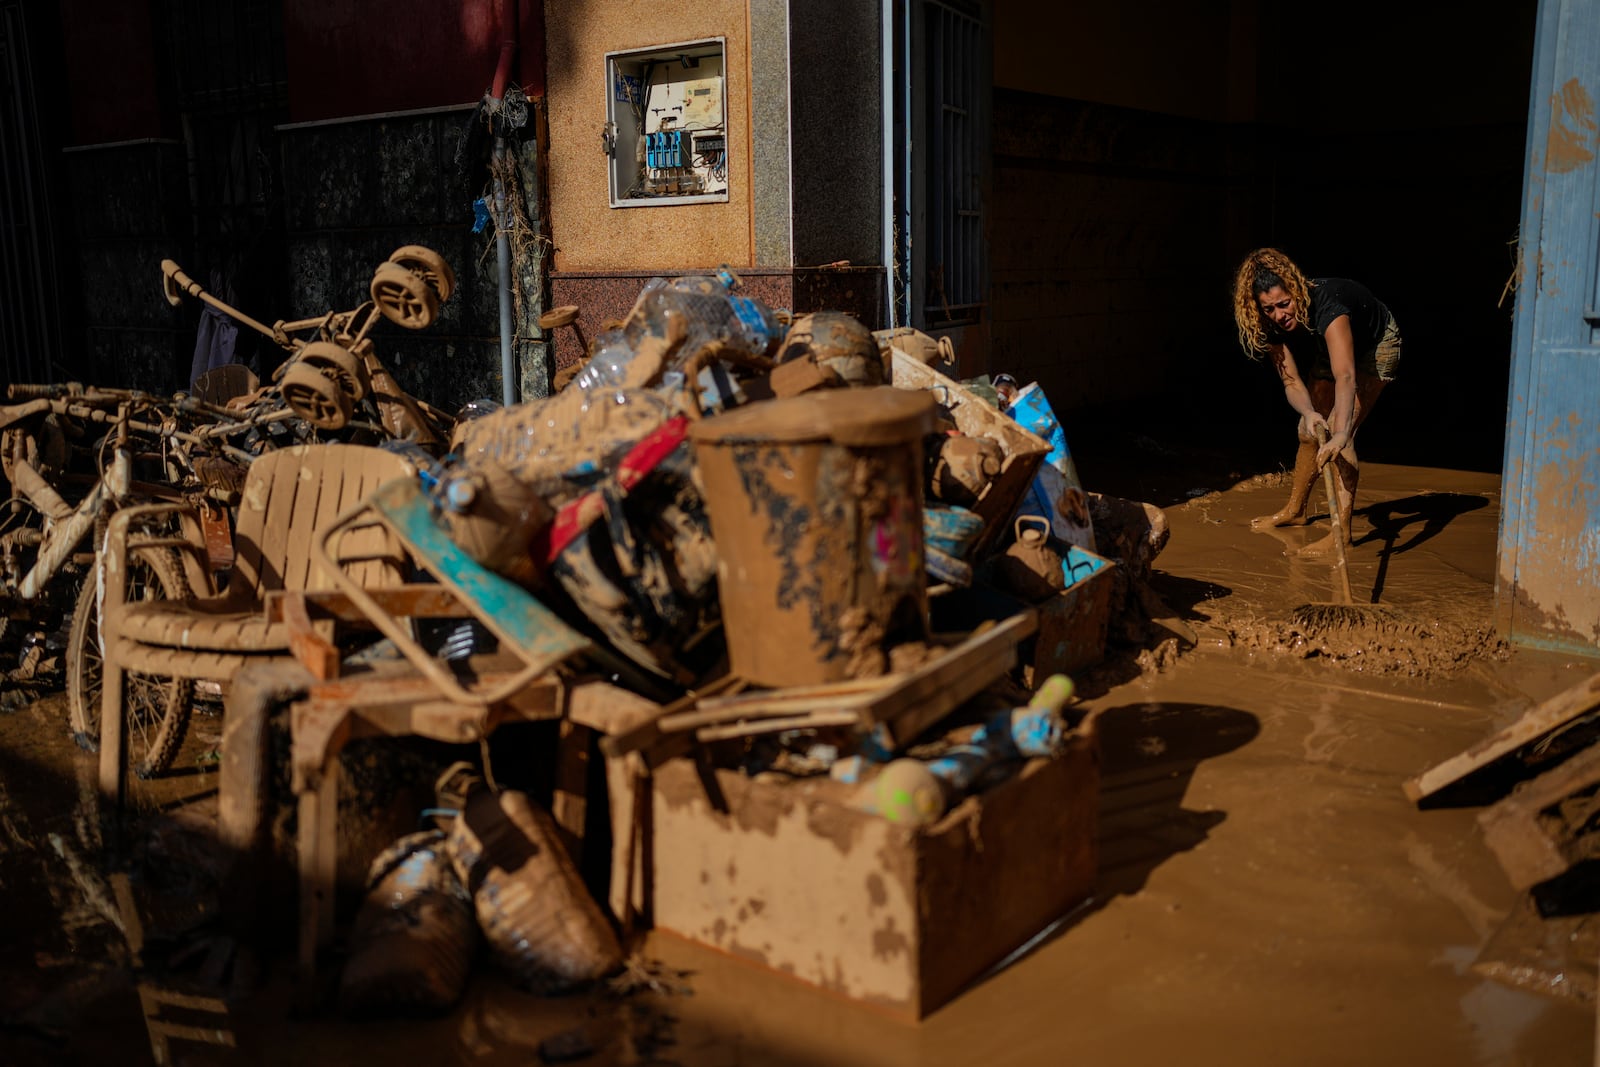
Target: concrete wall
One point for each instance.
(588, 233)
(804, 176)
(836, 131)
(1139, 152)
(1109, 254)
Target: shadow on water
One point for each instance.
(1429, 512)
(1149, 752)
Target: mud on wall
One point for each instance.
(591, 235)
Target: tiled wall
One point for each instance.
(357, 190)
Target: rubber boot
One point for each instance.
(1348, 476)
(1305, 472)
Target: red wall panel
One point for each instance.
(110, 75)
(358, 57)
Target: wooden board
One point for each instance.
(1527, 832)
(1538, 721)
(906, 704)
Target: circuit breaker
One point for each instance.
(667, 137)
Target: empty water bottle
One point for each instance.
(710, 312)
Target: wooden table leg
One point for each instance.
(570, 803)
(629, 792)
(319, 859)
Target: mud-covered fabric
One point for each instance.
(1372, 329)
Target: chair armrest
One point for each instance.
(120, 539)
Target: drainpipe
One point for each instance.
(886, 181)
(502, 74)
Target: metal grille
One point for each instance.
(228, 77)
(30, 336)
(955, 257)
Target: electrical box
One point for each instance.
(666, 134)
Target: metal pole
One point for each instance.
(502, 220)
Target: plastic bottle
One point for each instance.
(710, 308)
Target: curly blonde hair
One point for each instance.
(1261, 271)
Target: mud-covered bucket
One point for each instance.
(816, 508)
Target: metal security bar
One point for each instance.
(954, 258)
(226, 62)
(30, 326)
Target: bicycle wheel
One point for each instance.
(157, 709)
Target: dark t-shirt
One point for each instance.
(1330, 298)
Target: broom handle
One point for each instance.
(1334, 517)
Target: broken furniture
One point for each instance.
(1023, 452)
(288, 495)
(392, 700)
(325, 379)
(1545, 831)
(423, 696)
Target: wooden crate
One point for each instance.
(1073, 623)
(789, 876)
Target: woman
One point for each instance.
(1335, 346)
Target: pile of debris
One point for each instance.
(815, 603)
(73, 455)
(839, 578)
(1540, 780)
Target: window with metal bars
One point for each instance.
(953, 257)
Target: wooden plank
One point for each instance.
(812, 720)
(608, 709)
(834, 694)
(317, 654)
(628, 789)
(508, 610)
(647, 731)
(1531, 846)
(926, 695)
(1554, 713)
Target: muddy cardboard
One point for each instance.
(792, 878)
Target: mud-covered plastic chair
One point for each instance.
(289, 496)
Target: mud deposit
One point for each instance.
(1375, 639)
(1266, 895)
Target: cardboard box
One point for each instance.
(786, 874)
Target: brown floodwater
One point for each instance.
(1267, 895)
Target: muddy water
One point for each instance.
(1267, 896)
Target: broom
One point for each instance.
(1343, 614)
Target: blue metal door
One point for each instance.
(1547, 588)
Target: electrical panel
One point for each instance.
(667, 137)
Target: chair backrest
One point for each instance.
(291, 494)
(221, 384)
